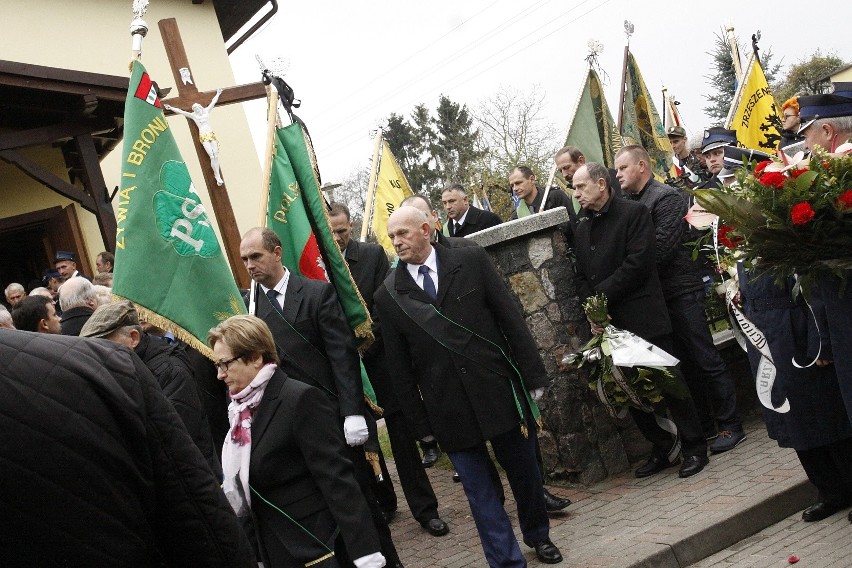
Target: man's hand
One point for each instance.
(355, 430)
(599, 329)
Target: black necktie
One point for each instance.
(458, 227)
(428, 283)
(273, 294)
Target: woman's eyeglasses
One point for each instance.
(223, 365)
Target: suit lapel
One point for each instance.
(293, 297)
(405, 284)
(447, 269)
(267, 407)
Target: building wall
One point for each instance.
(93, 35)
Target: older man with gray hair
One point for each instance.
(14, 294)
(827, 119)
(78, 299)
(5, 318)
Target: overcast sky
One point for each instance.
(353, 63)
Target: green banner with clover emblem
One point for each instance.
(168, 260)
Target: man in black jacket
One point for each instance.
(119, 322)
(369, 265)
(463, 361)
(615, 248)
(78, 300)
(97, 468)
(712, 387)
(316, 346)
(464, 219)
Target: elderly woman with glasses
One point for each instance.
(286, 474)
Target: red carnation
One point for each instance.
(845, 200)
(758, 169)
(726, 238)
(802, 213)
(773, 179)
(796, 173)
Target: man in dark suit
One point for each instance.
(78, 301)
(464, 219)
(467, 370)
(615, 249)
(369, 266)
(316, 346)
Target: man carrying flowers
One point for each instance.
(615, 249)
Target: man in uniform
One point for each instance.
(713, 150)
(66, 265)
(686, 167)
(827, 119)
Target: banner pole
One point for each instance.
(371, 187)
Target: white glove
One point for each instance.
(536, 394)
(374, 560)
(355, 430)
(428, 439)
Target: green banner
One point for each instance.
(298, 214)
(168, 260)
(592, 129)
(641, 123)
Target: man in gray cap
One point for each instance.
(687, 171)
(119, 322)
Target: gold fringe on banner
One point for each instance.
(168, 325)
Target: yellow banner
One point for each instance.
(756, 119)
(391, 189)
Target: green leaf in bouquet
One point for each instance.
(734, 209)
(805, 180)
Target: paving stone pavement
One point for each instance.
(660, 521)
(824, 544)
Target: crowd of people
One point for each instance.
(269, 454)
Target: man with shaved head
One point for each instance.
(467, 372)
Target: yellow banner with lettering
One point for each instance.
(391, 189)
(756, 117)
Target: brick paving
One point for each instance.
(660, 521)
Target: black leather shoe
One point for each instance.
(654, 465)
(431, 455)
(389, 515)
(849, 517)
(692, 465)
(553, 503)
(820, 511)
(436, 527)
(547, 552)
(456, 477)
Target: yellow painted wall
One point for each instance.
(842, 77)
(93, 35)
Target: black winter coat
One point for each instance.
(668, 206)
(171, 368)
(615, 252)
(96, 468)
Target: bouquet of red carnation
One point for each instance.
(794, 216)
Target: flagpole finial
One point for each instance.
(595, 49)
(138, 27)
(628, 30)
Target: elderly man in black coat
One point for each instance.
(98, 469)
(615, 249)
(465, 364)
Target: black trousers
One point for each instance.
(366, 478)
(712, 387)
(829, 467)
(683, 413)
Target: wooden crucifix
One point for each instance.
(188, 95)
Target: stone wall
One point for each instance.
(580, 443)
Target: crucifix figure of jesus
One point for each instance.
(206, 145)
(201, 116)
